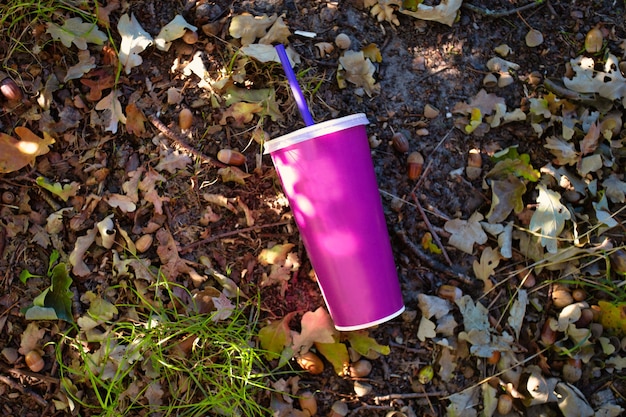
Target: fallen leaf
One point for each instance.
(590, 141)
(112, 110)
(565, 152)
(31, 338)
(464, 233)
(175, 29)
(76, 31)
(426, 329)
(603, 213)
(615, 189)
(173, 161)
(16, 154)
(63, 191)
(571, 401)
(549, 218)
(462, 403)
(278, 33)
(337, 354)
(276, 336)
(103, 12)
(233, 174)
(81, 247)
(135, 121)
(99, 80)
(609, 83)
(363, 343)
(359, 71)
(241, 112)
(85, 64)
(317, 327)
(431, 305)
(248, 28)
(134, 41)
(517, 313)
(489, 261)
(444, 12)
(506, 197)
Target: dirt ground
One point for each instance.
(423, 63)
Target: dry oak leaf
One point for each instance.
(248, 28)
(359, 71)
(98, 81)
(134, 41)
(242, 113)
(112, 110)
(445, 12)
(85, 64)
(489, 261)
(171, 263)
(103, 12)
(76, 31)
(135, 120)
(317, 327)
(464, 233)
(172, 31)
(549, 218)
(609, 83)
(16, 154)
(278, 33)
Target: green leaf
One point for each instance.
(76, 31)
(475, 120)
(54, 257)
(64, 192)
(365, 345)
(506, 197)
(25, 274)
(549, 217)
(275, 337)
(336, 354)
(519, 166)
(56, 298)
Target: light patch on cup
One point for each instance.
(340, 243)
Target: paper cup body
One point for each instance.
(327, 174)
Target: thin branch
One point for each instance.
(231, 233)
(431, 229)
(409, 395)
(14, 385)
(502, 13)
(181, 143)
(451, 271)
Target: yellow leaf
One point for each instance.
(16, 154)
(475, 120)
(372, 52)
(613, 317)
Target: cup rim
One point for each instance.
(313, 131)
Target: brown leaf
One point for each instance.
(16, 154)
(98, 81)
(135, 120)
(590, 141)
(103, 12)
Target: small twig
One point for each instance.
(451, 271)
(430, 160)
(427, 76)
(501, 13)
(14, 385)
(430, 228)
(180, 142)
(231, 233)
(408, 395)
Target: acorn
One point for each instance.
(561, 296)
(572, 370)
(360, 368)
(450, 292)
(343, 41)
(594, 40)
(505, 404)
(34, 361)
(8, 197)
(143, 243)
(400, 142)
(311, 363)
(190, 37)
(548, 334)
(230, 157)
(185, 119)
(10, 90)
(308, 403)
(474, 164)
(415, 163)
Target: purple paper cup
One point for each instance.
(327, 174)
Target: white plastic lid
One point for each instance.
(313, 131)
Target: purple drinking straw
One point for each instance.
(295, 87)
